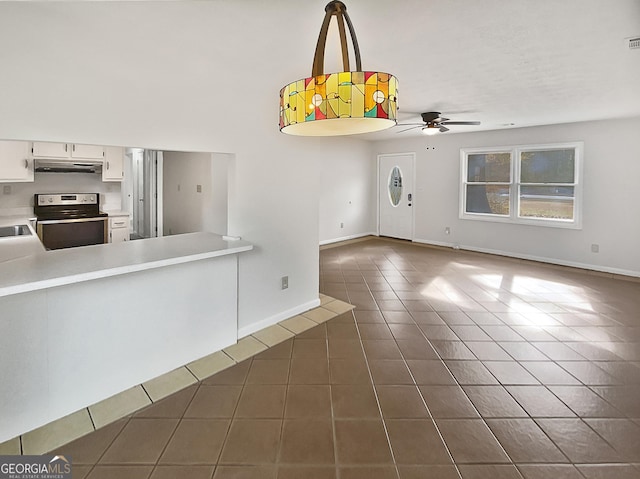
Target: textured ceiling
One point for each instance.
(501, 62)
(506, 63)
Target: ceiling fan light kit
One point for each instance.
(343, 103)
(431, 129)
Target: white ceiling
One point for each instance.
(502, 62)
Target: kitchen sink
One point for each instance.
(15, 230)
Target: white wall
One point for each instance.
(185, 209)
(348, 197)
(181, 76)
(20, 200)
(610, 219)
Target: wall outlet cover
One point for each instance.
(285, 282)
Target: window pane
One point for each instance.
(548, 166)
(552, 202)
(489, 199)
(489, 167)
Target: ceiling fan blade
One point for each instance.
(412, 128)
(443, 129)
(409, 124)
(460, 123)
(441, 120)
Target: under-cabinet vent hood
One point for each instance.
(65, 166)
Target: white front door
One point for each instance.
(395, 195)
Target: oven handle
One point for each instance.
(74, 220)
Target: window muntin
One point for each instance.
(537, 184)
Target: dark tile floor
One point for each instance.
(452, 365)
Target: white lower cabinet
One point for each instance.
(118, 229)
(15, 162)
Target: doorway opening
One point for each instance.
(142, 192)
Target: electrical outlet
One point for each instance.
(595, 248)
(285, 282)
(199, 188)
(6, 190)
(447, 230)
(341, 225)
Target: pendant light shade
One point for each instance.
(343, 103)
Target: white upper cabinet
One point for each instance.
(113, 168)
(87, 151)
(15, 162)
(42, 149)
(64, 151)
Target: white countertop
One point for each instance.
(116, 213)
(13, 247)
(46, 269)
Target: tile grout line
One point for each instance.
(418, 389)
(173, 433)
(375, 394)
(333, 418)
(233, 417)
(284, 407)
(93, 466)
(414, 384)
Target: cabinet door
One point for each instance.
(87, 151)
(14, 161)
(43, 149)
(113, 169)
(118, 235)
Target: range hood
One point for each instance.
(66, 166)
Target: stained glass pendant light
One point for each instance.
(344, 103)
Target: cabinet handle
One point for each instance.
(26, 164)
(107, 165)
(66, 148)
(73, 147)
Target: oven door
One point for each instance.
(58, 234)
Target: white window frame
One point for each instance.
(514, 186)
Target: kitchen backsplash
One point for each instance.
(17, 198)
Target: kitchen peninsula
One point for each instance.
(82, 324)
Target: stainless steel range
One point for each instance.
(70, 219)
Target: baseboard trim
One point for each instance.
(587, 268)
(343, 239)
(276, 318)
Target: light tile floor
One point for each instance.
(452, 365)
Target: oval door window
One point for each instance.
(395, 186)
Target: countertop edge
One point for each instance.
(120, 270)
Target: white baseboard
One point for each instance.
(276, 318)
(346, 238)
(540, 259)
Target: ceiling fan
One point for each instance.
(433, 123)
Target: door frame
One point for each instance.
(412, 154)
